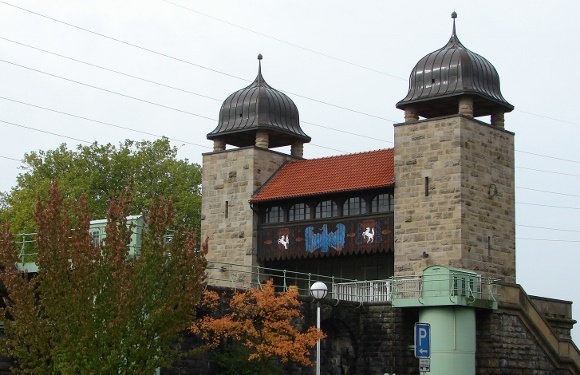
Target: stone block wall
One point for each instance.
(507, 346)
(229, 179)
(377, 339)
(454, 197)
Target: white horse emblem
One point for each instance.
(369, 235)
(283, 240)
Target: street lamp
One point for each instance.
(318, 290)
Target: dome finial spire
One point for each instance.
(259, 78)
(454, 16)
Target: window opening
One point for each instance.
(326, 209)
(299, 211)
(274, 214)
(383, 203)
(354, 206)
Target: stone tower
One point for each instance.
(454, 173)
(253, 120)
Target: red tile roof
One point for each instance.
(301, 178)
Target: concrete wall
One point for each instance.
(454, 197)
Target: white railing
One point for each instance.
(472, 288)
(407, 287)
(363, 291)
(238, 276)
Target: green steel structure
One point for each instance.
(447, 298)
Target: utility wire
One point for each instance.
(182, 60)
(554, 172)
(84, 141)
(240, 78)
(548, 156)
(214, 70)
(109, 91)
(122, 41)
(546, 239)
(196, 144)
(556, 229)
(285, 41)
(111, 70)
(549, 206)
(9, 158)
(550, 192)
(44, 131)
(215, 99)
(332, 57)
(103, 122)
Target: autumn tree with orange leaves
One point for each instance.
(93, 309)
(262, 321)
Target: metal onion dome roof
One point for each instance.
(443, 75)
(258, 107)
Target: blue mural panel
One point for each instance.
(324, 240)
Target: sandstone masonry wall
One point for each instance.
(229, 179)
(454, 197)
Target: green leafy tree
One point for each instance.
(92, 309)
(148, 169)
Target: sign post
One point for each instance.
(423, 346)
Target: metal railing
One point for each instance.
(363, 291)
(471, 288)
(25, 243)
(238, 276)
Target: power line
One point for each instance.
(9, 158)
(111, 70)
(102, 122)
(550, 192)
(182, 60)
(109, 91)
(44, 131)
(286, 42)
(549, 206)
(196, 144)
(122, 41)
(546, 239)
(548, 117)
(546, 228)
(217, 71)
(209, 97)
(547, 156)
(554, 172)
(338, 59)
(240, 78)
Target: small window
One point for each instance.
(326, 209)
(299, 211)
(354, 206)
(383, 203)
(274, 214)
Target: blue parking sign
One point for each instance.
(422, 340)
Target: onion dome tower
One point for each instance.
(454, 80)
(454, 197)
(259, 115)
(454, 193)
(255, 120)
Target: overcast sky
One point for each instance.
(83, 71)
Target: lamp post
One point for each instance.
(318, 290)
